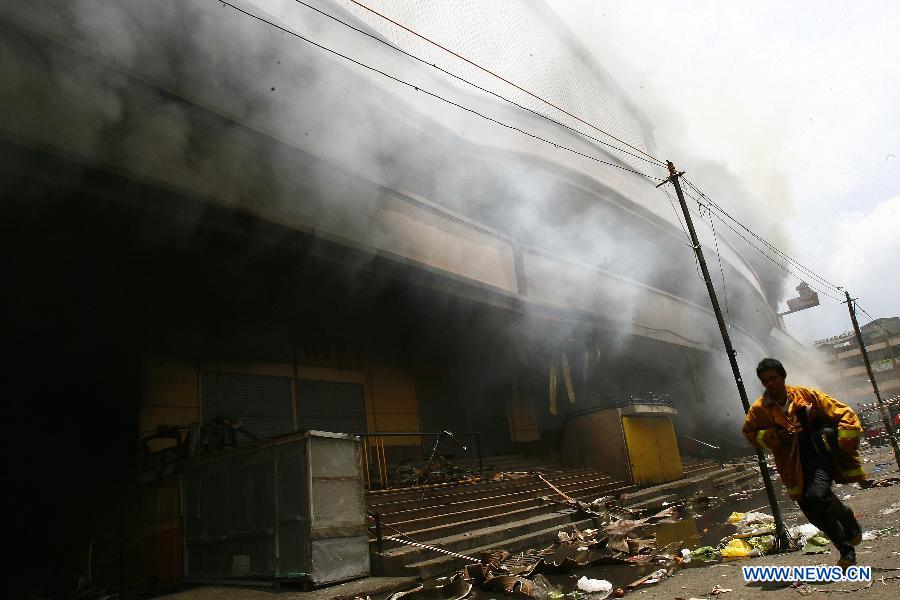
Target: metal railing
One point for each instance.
(377, 466)
(645, 399)
(699, 448)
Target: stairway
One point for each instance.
(468, 518)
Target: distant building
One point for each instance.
(845, 361)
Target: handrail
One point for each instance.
(374, 440)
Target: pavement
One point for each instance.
(369, 586)
(882, 554)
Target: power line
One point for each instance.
(429, 93)
(386, 43)
(500, 77)
(719, 260)
(760, 250)
(686, 235)
(765, 242)
(769, 245)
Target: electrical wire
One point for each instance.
(541, 115)
(712, 224)
(687, 237)
(763, 252)
(765, 242)
(518, 87)
(429, 93)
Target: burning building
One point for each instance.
(211, 217)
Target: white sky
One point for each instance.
(801, 97)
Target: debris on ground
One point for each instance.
(895, 507)
(654, 577)
(737, 548)
(717, 589)
(455, 587)
(595, 585)
(817, 544)
(875, 483)
(878, 533)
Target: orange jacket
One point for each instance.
(766, 427)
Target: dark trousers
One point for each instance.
(821, 507)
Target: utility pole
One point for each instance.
(782, 540)
(862, 348)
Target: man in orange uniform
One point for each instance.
(790, 421)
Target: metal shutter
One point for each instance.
(261, 402)
(331, 406)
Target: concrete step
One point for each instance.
(473, 491)
(439, 511)
(510, 513)
(540, 538)
(487, 492)
(489, 536)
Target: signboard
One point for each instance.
(807, 298)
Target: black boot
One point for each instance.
(844, 514)
(848, 556)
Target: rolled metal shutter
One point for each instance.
(261, 402)
(331, 406)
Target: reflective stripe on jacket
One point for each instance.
(766, 427)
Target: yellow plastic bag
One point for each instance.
(736, 548)
(736, 517)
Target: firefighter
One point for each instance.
(815, 441)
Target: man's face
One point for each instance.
(773, 382)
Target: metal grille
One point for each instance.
(331, 406)
(247, 506)
(261, 402)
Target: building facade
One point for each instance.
(214, 220)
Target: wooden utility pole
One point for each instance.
(888, 430)
(782, 540)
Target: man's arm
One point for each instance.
(761, 432)
(847, 423)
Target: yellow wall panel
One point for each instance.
(393, 387)
(652, 449)
(171, 393)
(397, 422)
(667, 445)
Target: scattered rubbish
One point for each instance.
(544, 590)
(654, 577)
(686, 555)
(736, 517)
(453, 588)
(874, 483)
(846, 496)
(509, 584)
(877, 533)
(802, 533)
(717, 589)
(817, 544)
(736, 548)
(891, 509)
(705, 553)
(595, 585)
(762, 544)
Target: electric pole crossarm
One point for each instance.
(862, 348)
(783, 542)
